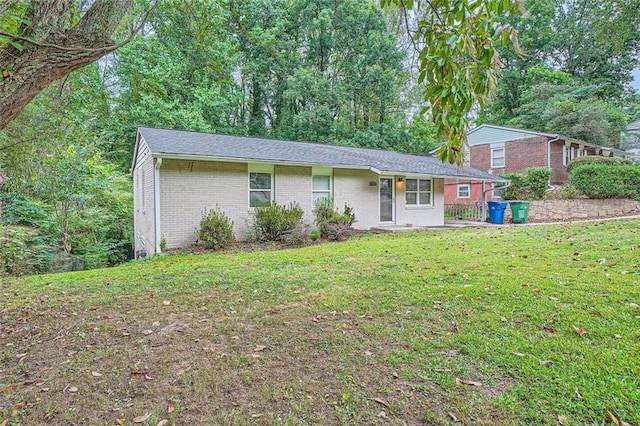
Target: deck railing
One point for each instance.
(463, 212)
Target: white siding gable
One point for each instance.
(485, 133)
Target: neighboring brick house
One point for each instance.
(178, 174)
(498, 149)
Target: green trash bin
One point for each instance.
(519, 211)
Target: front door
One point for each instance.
(386, 200)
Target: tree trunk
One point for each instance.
(59, 48)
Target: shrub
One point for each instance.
(332, 224)
(531, 185)
(569, 192)
(276, 222)
(216, 230)
(18, 255)
(596, 159)
(607, 181)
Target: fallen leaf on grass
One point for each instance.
(578, 393)
(120, 421)
(546, 363)
(517, 354)
(95, 374)
(142, 419)
(581, 332)
(8, 388)
(617, 336)
(163, 422)
(259, 348)
(255, 416)
(382, 415)
(73, 389)
(468, 382)
(170, 407)
(139, 373)
(562, 419)
(453, 416)
(455, 327)
(380, 401)
(148, 377)
(5, 422)
(613, 418)
(503, 319)
(548, 328)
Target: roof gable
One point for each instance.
(207, 146)
(488, 133)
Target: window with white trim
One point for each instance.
(419, 192)
(464, 190)
(497, 157)
(260, 188)
(321, 188)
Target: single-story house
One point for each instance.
(498, 149)
(179, 174)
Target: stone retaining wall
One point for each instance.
(578, 209)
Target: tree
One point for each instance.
(42, 41)
(459, 62)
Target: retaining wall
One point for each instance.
(578, 209)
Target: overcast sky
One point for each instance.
(636, 81)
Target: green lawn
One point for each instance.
(470, 326)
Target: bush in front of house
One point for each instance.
(596, 159)
(531, 185)
(607, 181)
(276, 222)
(216, 230)
(332, 224)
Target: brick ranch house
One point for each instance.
(498, 149)
(179, 174)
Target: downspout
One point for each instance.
(557, 138)
(156, 193)
(484, 197)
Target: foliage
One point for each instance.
(596, 159)
(459, 62)
(276, 222)
(364, 315)
(569, 192)
(20, 252)
(606, 181)
(216, 230)
(332, 224)
(531, 185)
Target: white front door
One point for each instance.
(386, 200)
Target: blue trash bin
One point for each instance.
(496, 211)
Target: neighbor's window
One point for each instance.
(321, 188)
(464, 191)
(260, 192)
(418, 192)
(497, 157)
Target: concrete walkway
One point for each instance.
(455, 224)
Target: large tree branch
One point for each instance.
(51, 49)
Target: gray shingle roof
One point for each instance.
(177, 143)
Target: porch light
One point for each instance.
(400, 182)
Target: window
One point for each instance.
(496, 191)
(464, 191)
(497, 157)
(260, 192)
(321, 188)
(566, 155)
(418, 192)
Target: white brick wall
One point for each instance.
(187, 188)
(143, 201)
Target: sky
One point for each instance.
(636, 79)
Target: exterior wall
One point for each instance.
(187, 188)
(294, 185)
(578, 209)
(421, 215)
(144, 202)
(352, 187)
(451, 192)
(490, 134)
(519, 154)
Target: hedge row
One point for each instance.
(607, 181)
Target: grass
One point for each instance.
(472, 326)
